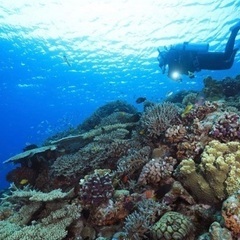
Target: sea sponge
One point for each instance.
(218, 174)
(171, 226)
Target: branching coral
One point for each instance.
(158, 118)
(226, 128)
(133, 161)
(52, 227)
(138, 223)
(108, 213)
(157, 171)
(92, 156)
(176, 133)
(96, 188)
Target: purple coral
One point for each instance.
(227, 127)
(96, 188)
(159, 117)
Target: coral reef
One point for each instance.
(169, 172)
(105, 111)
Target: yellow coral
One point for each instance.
(217, 176)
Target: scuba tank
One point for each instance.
(196, 47)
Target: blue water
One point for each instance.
(111, 47)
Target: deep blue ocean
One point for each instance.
(61, 60)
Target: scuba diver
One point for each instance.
(188, 58)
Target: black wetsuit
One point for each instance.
(185, 61)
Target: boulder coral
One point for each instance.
(217, 176)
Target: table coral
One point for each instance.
(52, 227)
(218, 174)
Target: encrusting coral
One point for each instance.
(231, 213)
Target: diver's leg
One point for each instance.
(237, 25)
(231, 41)
(228, 64)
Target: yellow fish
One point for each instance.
(23, 181)
(187, 110)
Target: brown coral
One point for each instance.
(176, 133)
(108, 213)
(231, 213)
(157, 171)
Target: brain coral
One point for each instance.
(218, 174)
(171, 226)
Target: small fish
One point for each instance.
(23, 181)
(140, 100)
(169, 94)
(66, 60)
(187, 109)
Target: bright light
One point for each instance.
(176, 75)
